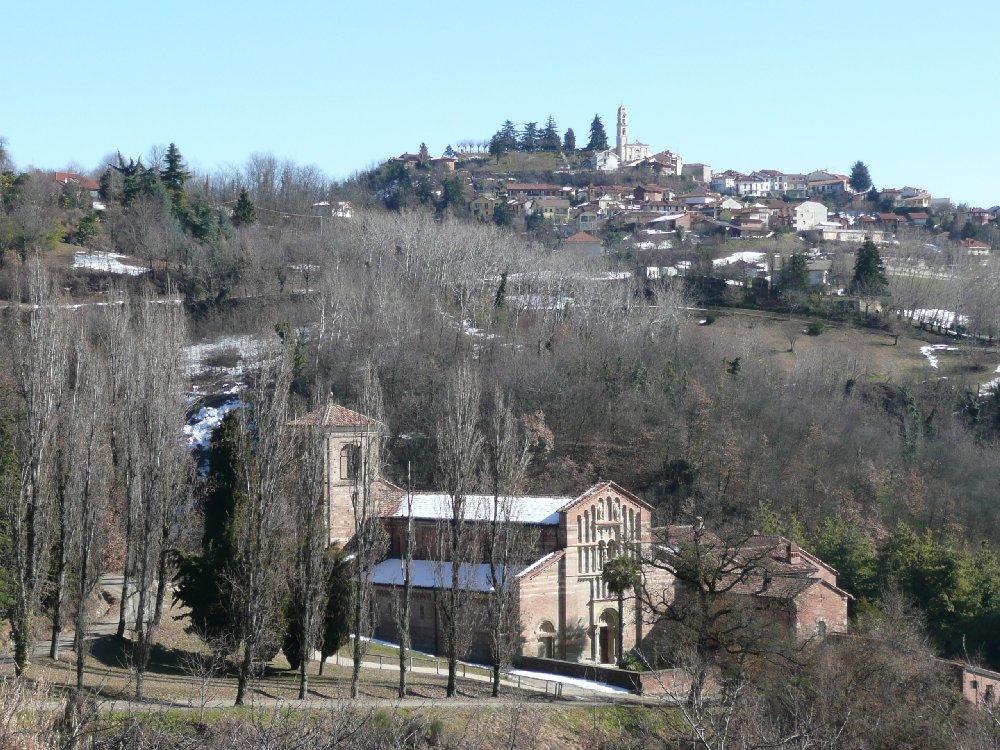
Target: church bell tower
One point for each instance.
(622, 137)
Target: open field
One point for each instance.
(880, 354)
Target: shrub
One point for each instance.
(814, 329)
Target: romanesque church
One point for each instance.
(563, 605)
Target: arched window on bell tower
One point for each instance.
(350, 461)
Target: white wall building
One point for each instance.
(808, 215)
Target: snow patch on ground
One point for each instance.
(747, 256)
(203, 422)
(987, 388)
(106, 263)
(196, 354)
(597, 687)
(944, 318)
(930, 351)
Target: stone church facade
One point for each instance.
(563, 606)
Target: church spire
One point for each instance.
(622, 135)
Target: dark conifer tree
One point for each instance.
(244, 213)
(860, 179)
(550, 136)
(598, 138)
(202, 580)
(529, 137)
(869, 272)
(569, 141)
(174, 174)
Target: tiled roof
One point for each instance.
(581, 237)
(335, 415)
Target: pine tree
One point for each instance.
(795, 275)
(860, 179)
(598, 138)
(550, 136)
(503, 140)
(869, 272)
(569, 141)
(244, 213)
(173, 174)
(423, 154)
(529, 137)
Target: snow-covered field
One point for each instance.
(747, 256)
(106, 263)
(198, 354)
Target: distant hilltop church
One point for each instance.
(634, 154)
(628, 152)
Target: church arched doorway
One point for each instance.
(607, 637)
(546, 635)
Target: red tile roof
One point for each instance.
(581, 236)
(335, 415)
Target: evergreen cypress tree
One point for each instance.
(336, 625)
(869, 272)
(860, 179)
(550, 136)
(203, 580)
(569, 141)
(244, 213)
(598, 138)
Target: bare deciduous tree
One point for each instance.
(38, 372)
(258, 580)
(508, 542)
(310, 538)
(460, 449)
(369, 532)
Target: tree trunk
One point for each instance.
(20, 628)
(161, 584)
(244, 675)
(496, 679)
(621, 626)
(356, 654)
(322, 661)
(303, 678)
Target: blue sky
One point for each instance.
(909, 87)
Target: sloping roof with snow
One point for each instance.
(335, 415)
(438, 506)
(432, 574)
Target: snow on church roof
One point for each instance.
(436, 505)
(431, 574)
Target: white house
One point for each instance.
(808, 215)
(725, 182)
(754, 185)
(605, 161)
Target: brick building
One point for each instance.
(563, 606)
